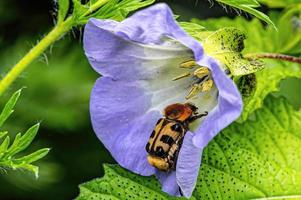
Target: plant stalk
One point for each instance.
(275, 56)
(56, 33)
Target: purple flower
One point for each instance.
(140, 59)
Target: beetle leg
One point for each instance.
(181, 193)
(195, 117)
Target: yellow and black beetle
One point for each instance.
(166, 139)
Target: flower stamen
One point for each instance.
(207, 85)
(188, 64)
(195, 89)
(201, 72)
(182, 76)
(204, 82)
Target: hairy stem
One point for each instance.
(56, 33)
(275, 56)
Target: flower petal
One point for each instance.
(114, 56)
(169, 182)
(188, 164)
(121, 122)
(228, 109)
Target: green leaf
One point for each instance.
(8, 109)
(267, 81)
(22, 142)
(79, 9)
(261, 38)
(256, 159)
(37, 155)
(118, 183)
(63, 10)
(193, 29)
(8, 157)
(114, 9)
(226, 45)
(4, 145)
(249, 7)
(119, 9)
(290, 30)
(2, 134)
(279, 3)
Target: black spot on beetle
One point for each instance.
(159, 152)
(158, 122)
(167, 140)
(147, 147)
(177, 128)
(153, 134)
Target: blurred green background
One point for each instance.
(57, 95)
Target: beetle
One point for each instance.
(166, 139)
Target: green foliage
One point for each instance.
(267, 81)
(289, 36)
(255, 159)
(260, 39)
(193, 29)
(249, 7)
(55, 81)
(63, 10)
(8, 152)
(122, 9)
(8, 108)
(114, 9)
(118, 183)
(279, 3)
(226, 45)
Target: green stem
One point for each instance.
(275, 56)
(57, 32)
